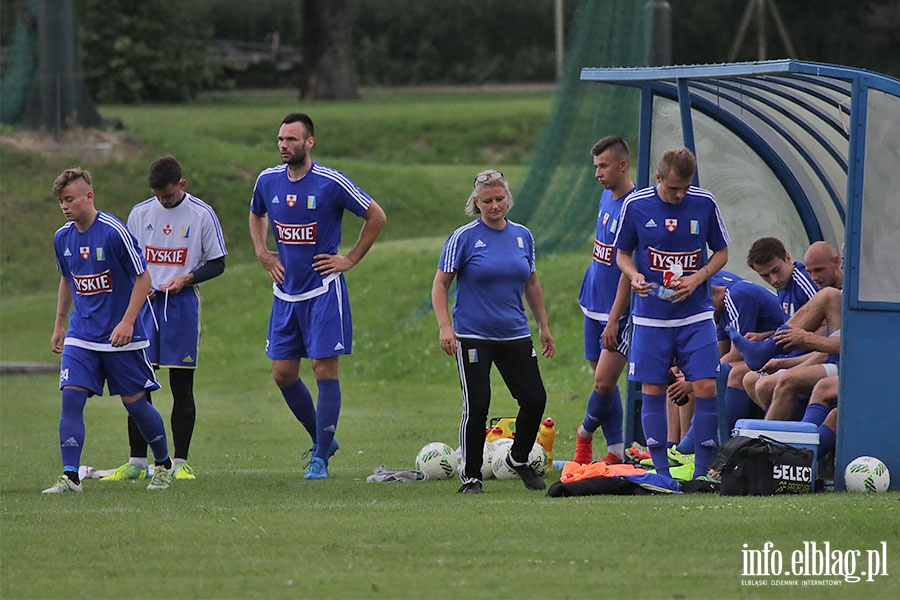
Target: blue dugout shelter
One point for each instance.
(801, 151)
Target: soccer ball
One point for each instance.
(867, 474)
(487, 457)
(499, 467)
(537, 460)
(437, 461)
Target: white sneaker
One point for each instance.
(161, 480)
(63, 485)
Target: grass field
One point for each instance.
(249, 526)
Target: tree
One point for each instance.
(327, 45)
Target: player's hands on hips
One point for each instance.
(448, 340)
(121, 335)
(272, 265)
(57, 339)
(326, 264)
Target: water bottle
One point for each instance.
(661, 292)
(546, 435)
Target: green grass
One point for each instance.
(249, 526)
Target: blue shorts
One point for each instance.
(316, 328)
(126, 373)
(593, 338)
(173, 328)
(655, 349)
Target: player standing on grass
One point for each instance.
(605, 307)
(104, 277)
(664, 234)
(304, 202)
(183, 246)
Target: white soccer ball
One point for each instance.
(487, 470)
(499, 467)
(538, 460)
(867, 474)
(437, 460)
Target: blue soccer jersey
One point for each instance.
(101, 265)
(750, 307)
(491, 269)
(601, 279)
(659, 234)
(305, 217)
(798, 293)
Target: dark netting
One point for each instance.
(558, 199)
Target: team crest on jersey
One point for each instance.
(671, 225)
(612, 227)
(520, 242)
(291, 200)
(310, 202)
(605, 218)
(662, 261)
(290, 233)
(85, 252)
(167, 229)
(101, 255)
(695, 227)
(185, 231)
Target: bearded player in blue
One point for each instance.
(105, 278)
(303, 203)
(663, 241)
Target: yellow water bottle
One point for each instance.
(546, 435)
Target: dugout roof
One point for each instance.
(802, 151)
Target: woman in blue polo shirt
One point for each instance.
(492, 259)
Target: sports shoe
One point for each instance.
(162, 478)
(677, 458)
(611, 459)
(473, 487)
(637, 453)
(318, 469)
(63, 485)
(532, 480)
(584, 450)
(312, 451)
(128, 471)
(183, 471)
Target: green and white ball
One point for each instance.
(437, 460)
(867, 474)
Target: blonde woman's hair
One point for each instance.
(485, 179)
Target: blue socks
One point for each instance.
(71, 427)
(606, 412)
(756, 354)
(816, 413)
(150, 422)
(686, 445)
(300, 401)
(706, 426)
(653, 421)
(827, 440)
(738, 405)
(327, 413)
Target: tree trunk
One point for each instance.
(329, 60)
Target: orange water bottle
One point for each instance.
(546, 435)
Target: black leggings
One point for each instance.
(184, 414)
(517, 363)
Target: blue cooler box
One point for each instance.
(794, 433)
